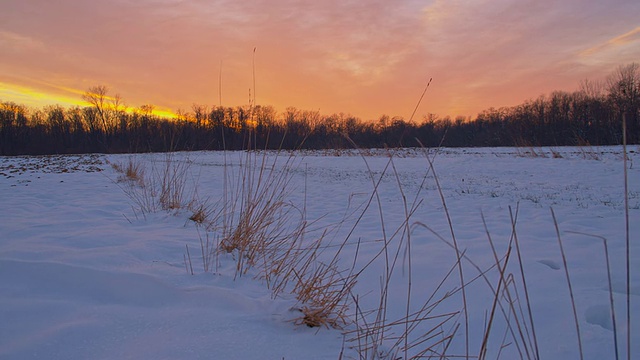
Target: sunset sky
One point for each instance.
(365, 58)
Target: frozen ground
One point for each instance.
(84, 274)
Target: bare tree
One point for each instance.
(200, 114)
(592, 89)
(118, 104)
(147, 110)
(624, 86)
(624, 91)
(96, 96)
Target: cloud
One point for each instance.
(34, 97)
(616, 42)
(366, 58)
(14, 42)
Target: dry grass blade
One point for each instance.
(514, 326)
(189, 257)
(209, 252)
(501, 270)
(566, 271)
(536, 352)
(172, 183)
(523, 340)
(323, 294)
(626, 223)
(611, 303)
(457, 250)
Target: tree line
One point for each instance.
(592, 115)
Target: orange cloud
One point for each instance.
(364, 58)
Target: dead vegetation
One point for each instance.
(269, 237)
(52, 164)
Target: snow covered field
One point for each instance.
(86, 274)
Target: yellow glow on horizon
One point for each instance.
(165, 113)
(30, 97)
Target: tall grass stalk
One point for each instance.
(501, 270)
(524, 281)
(509, 291)
(457, 250)
(626, 223)
(566, 271)
(610, 288)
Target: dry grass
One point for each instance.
(270, 231)
(324, 296)
(587, 151)
(200, 215)
(209, 251)
(131, 171)
(375, 335)
(429, 331)
(162, 188)
(268, 236)
(170, 182)
(555, 154)
(509, 323)
(527, 149)
(135, 184)
(254, 222)
(531, 152)
(257, 219)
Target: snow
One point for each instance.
(85, 273)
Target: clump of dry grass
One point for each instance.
(587, 151)
(136, 184)
(324, 295)
(257, 219)
(556, 154)
(165, 187)
(199, 215)
(170, 181)
(133, 171)
(530, 152)
(268, 235)
(527, 149)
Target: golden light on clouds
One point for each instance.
(36, 98)
(165, 113)
(362, 58)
